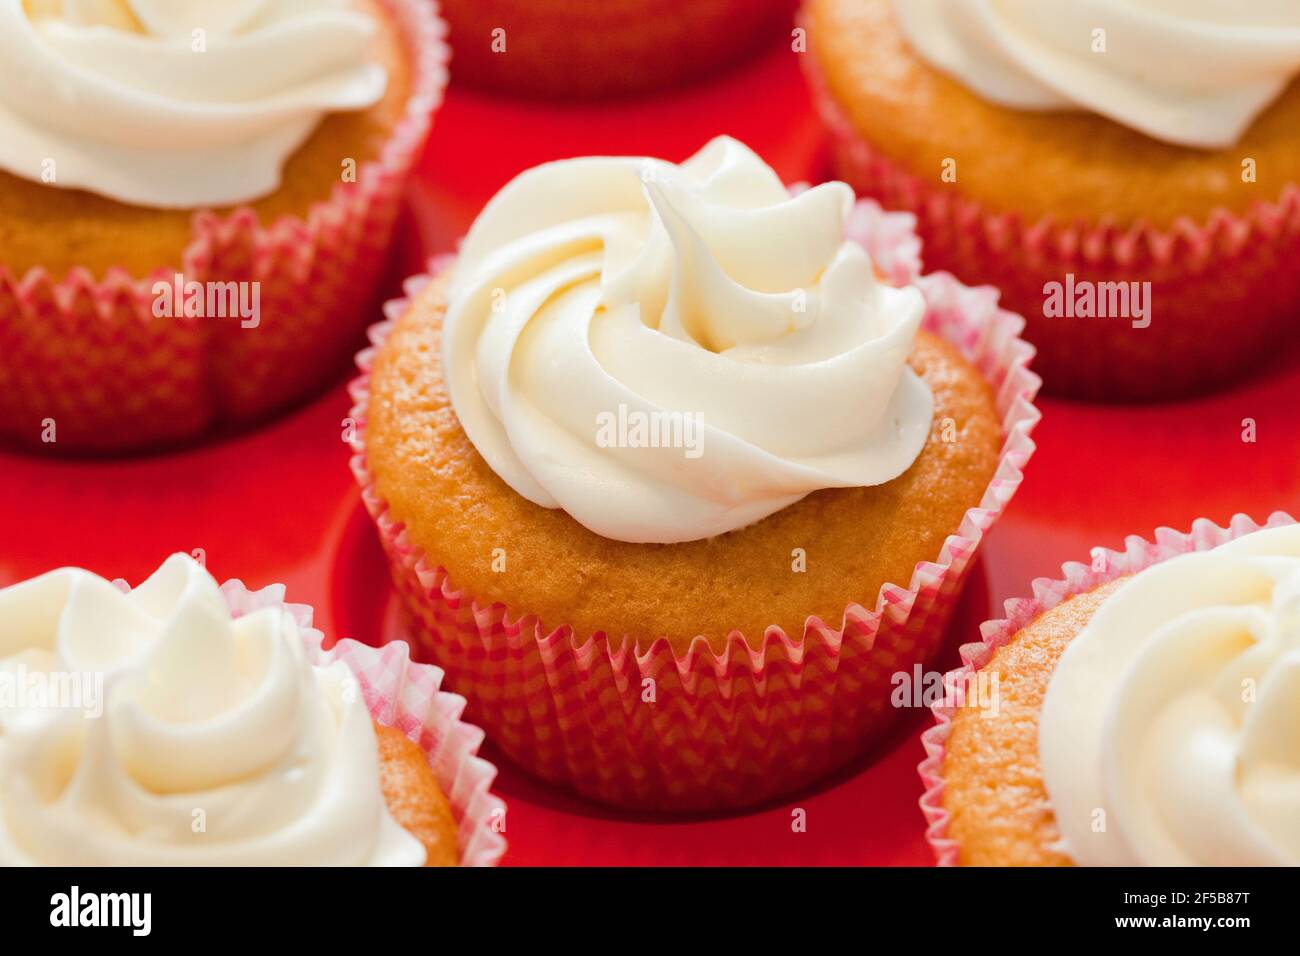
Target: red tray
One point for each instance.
(279, 504)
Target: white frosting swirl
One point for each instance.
(1190, 72)
(123, 98)
(1173, 718)
(596, 295)
(213, 742)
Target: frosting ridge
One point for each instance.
(213, 742)
(1151, 74)
(175, 105)
(702, 295)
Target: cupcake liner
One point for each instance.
(1076, 578)
(1223, 292)
(725, 729)
(403, 694)
(88, 354)
(595, 48)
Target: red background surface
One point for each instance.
(279, 504)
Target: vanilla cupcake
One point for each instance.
(195, 200)
(1145, 712)
(1128, 174)
(592, 48)
(180, 724)
(650, 453)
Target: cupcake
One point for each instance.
(1141, 211)
(182, 724)
(195, 202)
(671, 480)
(1143, 711)
(593, 48)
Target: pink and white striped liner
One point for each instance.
(759, 719)
(1076, 578)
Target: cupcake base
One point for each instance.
(602, 48)
(705, 729)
